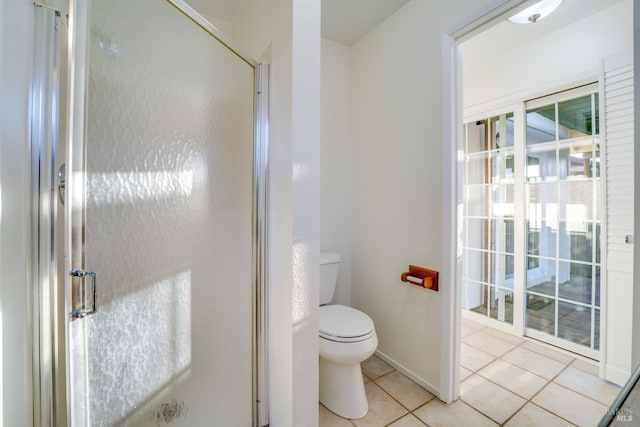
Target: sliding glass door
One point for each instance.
(488, 268)
(563, 226)
(531, 239)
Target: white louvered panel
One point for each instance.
(620, 175)
(618, 150)
(618, 96)
(619, 79)
(618, 132)
(621, 107)
(621, 133)
(620, 114)
(619, 85)
(619, 73)
(621, 215)
(620, 122)
(627, 69)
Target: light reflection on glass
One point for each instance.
(131, 187)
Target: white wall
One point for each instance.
(398, 177)
(287, 34)
(495, 68)
(335, 161)
(16, 23)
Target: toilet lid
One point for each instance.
(342, 323)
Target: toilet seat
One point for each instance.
(340, 323)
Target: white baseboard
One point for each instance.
(616, 375)
(409, 374)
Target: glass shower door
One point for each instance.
(162, 207)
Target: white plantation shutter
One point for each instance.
(618, 143)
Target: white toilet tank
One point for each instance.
(329, 263)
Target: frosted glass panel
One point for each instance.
(168, 221)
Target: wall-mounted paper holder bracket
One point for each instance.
(421, 277)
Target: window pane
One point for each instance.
(577, 159)
(598, 243)
(542, 163)
(476, 233)
(576, 202)
(596, 101)
(478, 168)
(476, 200)
(501, 269)
(542, 280)
(476, 265)
(502, 130)
(574, 282)
(503, 198)
(574, 323)
(575, 118)
(541, 313)
(541, 125)
(476, 136)
(542, 225)
(509, 230)
(576, 241)
(501, 304)
(595, 162)
(474, 297)
(597, 287)
(491, 234)
(596, 330)
(502, 165)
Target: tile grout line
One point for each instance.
(547, 381)
(529, 400)
(477, 372)
(552, 380)
(409, 411)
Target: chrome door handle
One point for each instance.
(85, 311)
(62, 177)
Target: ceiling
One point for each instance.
(343, 21)
(569, 11)
(346, 21)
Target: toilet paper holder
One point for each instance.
(421, 276)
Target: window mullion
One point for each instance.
(520, 218)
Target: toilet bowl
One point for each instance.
(347, 337)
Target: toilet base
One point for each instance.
(342, 389)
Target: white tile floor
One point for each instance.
(506, 381)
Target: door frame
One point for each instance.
(452, 119)
(452, 132)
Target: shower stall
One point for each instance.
(150, 218)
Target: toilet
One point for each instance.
(347, 337)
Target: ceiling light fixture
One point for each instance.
(534, 13)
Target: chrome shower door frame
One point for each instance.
(52, 383)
